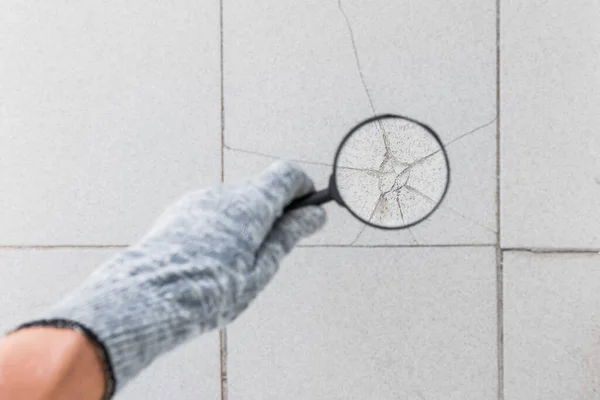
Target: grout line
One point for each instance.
(222, 332)
(553, 251)
(499, 252)
(64, 246)
(223, 360)
(391, 246)
(534, 250)
(591, 251)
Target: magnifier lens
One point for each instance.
(391, 172)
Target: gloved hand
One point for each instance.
(206, 258)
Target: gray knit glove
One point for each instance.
(200, 266)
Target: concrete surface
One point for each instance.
(550, 141)
(552, 326)
(104, 110)
(108, 111)
(398, 324)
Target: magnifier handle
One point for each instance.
(311, 199)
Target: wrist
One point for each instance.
(50, 363)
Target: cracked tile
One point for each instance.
(549, 124)
(31, 280)
(109, 111)
(292, 95)
(551, 326)
(371, 323)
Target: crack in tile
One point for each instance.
(412, 235)
(456, 139)
(418, 192)
(356, 57)
(321, 164)
(370, 217)
(257, 153)
(399, 207)
(358, 235)
(472, 131)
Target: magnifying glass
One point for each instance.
(390, 172)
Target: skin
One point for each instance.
(44, 363)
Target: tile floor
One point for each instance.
(108, 111)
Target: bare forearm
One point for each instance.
(49, 363)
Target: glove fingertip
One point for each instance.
(287, 232)
(284, 181)
(309, 219)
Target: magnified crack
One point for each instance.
(417, 191)
(399, 207)
(412, 235)
(397, 185)
(391, 178)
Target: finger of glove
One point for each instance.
(276, 187)
(286, 233)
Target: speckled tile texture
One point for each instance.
(391, 172)
(552, 326)
(371, 323)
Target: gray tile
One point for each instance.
(109, 111)
(31, 280)
(551, 326)
(370, 323)
(549, 124)
(293, 89)
(190, 372)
